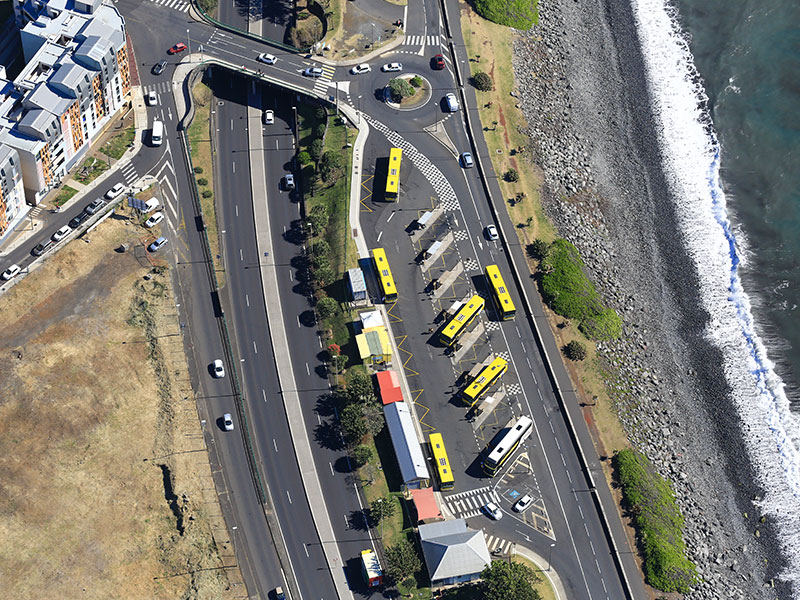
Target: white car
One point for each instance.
(219, 370)
(61, 233)
(154, 220)
(269, 117)
(491, 233)
(491, 509)
(151, 98)
(392, 68)
(151, 205)
(11, 272)
(115, 191)
(227, 420)
(523, 503)
(362, 68)
(267, 59)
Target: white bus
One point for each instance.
(516, 433)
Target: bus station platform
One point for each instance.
(446, 279)
(466, 342)
(435, 250)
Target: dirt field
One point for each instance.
(105, 489)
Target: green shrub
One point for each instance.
(511, 175)
(208, 6)
(482, 82)
(202, 181)
(399, 89)
(575, 350)
(520, 14)
(207, 193)
(198, 170)
(565, 286)
(361, 455)
(304, 158)
(538, 249)
(416, 81)
(605, 325)
(320, 114)
(327, 307)
(331, 166)
(658, 522)
(319, 130)
(315, 148)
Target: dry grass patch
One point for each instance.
(87, 427)
(546, 591)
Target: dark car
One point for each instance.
(76, 221)
(40, 249)
(93, 207)
(437, 62)
(158, 68)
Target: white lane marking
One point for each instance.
(291, 275)
(255, 347)
(247, 300)
(233, 164)
(231, 124)
(305, 547)
(333, 475)
(241, 256)
(274, 443)
(307, 369)
(264, 394)
(298, 320)
(290, 502)
(379, 236)
(236, 209)
(390, 217)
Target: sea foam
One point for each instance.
(692, 155)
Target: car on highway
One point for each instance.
(392, 67)
(267, 59)
(451, 102)
(359, 69)
(11, 272)
(466, 160)
(75, 222)
(313, 72)
(437, 62)
(151, 98)
(491, 509)
(227, 421)
(523, 503)
(218, 369)
(491, 233)
(158, 244)
(61, 233)
(154, 220)
(177, 48)
(41, 247)
(115, 191)
(268, 117)
(288, 181)
(93, 207)
(159, 67)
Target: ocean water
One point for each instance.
(725, 88)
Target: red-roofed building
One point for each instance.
(389, 386)
(425, 505)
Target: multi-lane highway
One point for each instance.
(570, 533)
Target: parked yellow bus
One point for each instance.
(443, 472)
(461, 320)
(393, 174)
(489, 375)
(502, 299)
(385, 279)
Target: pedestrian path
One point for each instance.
(466, 505)
(179, 5)
(322, 83)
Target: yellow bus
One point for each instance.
(385, 279)
(393, 174)
(443, 472)
(461, 320)
(502, 299)
(489, 375)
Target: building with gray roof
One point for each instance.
(453, 552)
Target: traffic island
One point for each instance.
(409, 91)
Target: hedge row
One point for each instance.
(658, 522)
(570, 293)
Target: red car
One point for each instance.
(438, 62)
(179, 47)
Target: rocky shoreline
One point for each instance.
(583, 90)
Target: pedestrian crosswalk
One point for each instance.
(322, 83)
(422, 40)
(159, 88)
(129, 173)
(179, 5)
(466, 505)
(497, 546)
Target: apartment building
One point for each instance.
(74, 82)
(12, 194)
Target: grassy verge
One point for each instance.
(90, 169)
(546, 591)
(116, 145)
(64, 195)
(658, 521)
(202, 160)
(105, 474)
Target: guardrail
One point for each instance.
(518, 280)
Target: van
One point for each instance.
(451, 102)
(157, 133)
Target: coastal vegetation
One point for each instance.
(519, 14)
(658, 522)
(569, 292)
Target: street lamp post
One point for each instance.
(373, 36)
(188, 42)
(359, 110)
(550, 555)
